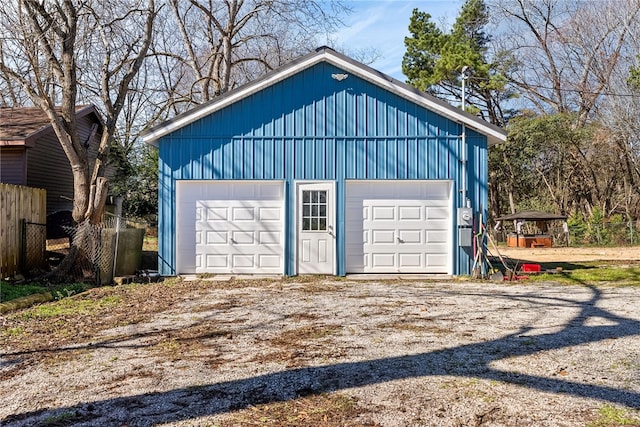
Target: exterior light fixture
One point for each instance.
(339, 77)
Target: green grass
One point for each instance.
(63, 419)
(610, 416)
(10, 292)
(71, 306)
(609, 274)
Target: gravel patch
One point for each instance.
(408, 353)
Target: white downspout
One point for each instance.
(463, 155)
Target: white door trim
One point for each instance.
(331, 220)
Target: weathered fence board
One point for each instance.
(17, 203)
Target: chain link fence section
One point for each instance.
(606, 234)
(97, 246)
(34, 238)
(96, 249)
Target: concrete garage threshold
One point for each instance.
(399, 276)
(358, 277)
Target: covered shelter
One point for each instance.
(537, 236)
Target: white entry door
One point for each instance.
(316, 228)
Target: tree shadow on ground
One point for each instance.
(545, 266)
(470, 361)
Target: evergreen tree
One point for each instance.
(434, 61)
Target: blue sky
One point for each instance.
(382, 24)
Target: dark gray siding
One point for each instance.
(48, 167)
(12, 165)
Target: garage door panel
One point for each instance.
(411, 236)
(383, 259)
(230, 227)
(269, 238)
(404, 226)
(381, 213)
(410, 213)
(214, 214)
(269, 261)
(437, 224)
(435, 249)
(216, 261)
(243, 261)
(214, 238)
(411, 260)
(437, 237)
(243, 238)
(243, 213)
(438, 213)
(437, 260)
(270, 214)
(383, 236)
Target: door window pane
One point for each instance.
(314, 210)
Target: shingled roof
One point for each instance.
(22, 126)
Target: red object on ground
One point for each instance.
(530, 268)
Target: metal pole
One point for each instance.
(463, 155)
(115, 251)
(23, 251)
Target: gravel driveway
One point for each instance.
(325, 352)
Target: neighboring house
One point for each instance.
(322, 166)
(31, 155)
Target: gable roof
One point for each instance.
(22, 126)
(494, 133)
(531, 216)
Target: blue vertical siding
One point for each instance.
(312, 127)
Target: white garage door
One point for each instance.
(399, 227)
(230, 227)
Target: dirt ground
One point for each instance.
(325, 351)
(564, 254)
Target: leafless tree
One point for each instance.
(218, 45)
(572, 59)
(64, 52)
(565, 51)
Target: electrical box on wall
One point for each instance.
(465, 237)
(465, 217)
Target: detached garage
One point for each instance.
(323, 166)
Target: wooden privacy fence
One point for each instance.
(17, 205)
